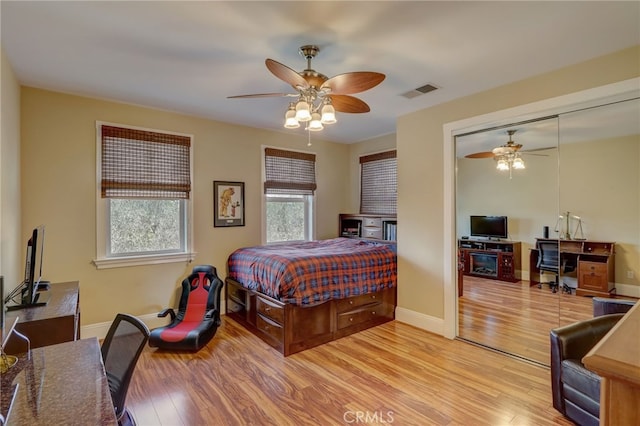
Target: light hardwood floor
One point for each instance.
(515, 317)
(391, 374)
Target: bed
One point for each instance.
(300, 295)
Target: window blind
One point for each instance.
(289, 172)
(144, 164)
(378, 183)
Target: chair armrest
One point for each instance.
(169, 311)
(573, 342)
(604, 306)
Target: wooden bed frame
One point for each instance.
(291, 328)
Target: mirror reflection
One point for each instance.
(547, 216)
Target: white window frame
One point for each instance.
(103, 260)
(310, 204)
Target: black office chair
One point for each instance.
(121, 349)
(549, 261)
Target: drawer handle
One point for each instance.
(267, 309)
(373, 312)
(266, 327)
(373, 297)
(351, 319)
(351, 302)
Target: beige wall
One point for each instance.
(421, 169)
(11, 245)
(599, 182)
(59, 190)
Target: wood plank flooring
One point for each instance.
(391, 374)
(516, 318)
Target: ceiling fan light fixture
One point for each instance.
(315, 124)
(290, 121)
(302, 111)
(518, 163)
(328, 114)
(502, 165)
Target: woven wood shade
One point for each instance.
(144, 164)
(379, 183)
(289, 172)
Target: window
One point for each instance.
(290, 182)
(378, 183)
(143, 198)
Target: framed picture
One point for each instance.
(228, 203)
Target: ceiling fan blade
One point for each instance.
(286, 74)
(353, 82)
(531, 153)
(265, 95)
(539, 149)
(351, 104)
(487, 154)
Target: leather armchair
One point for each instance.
(575, 389)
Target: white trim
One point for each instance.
(558, 105)
(421, 321)
(119, 262)
(628, 290)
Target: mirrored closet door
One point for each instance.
(571, 178)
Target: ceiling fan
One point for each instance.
(319, 96)
(510, 148)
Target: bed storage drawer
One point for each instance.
(359, 316)
(344, 305)
(270, 310)
(269, 327)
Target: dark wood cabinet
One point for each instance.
(378, 227)
(56, 322)
(498, 260)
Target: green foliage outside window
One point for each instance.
(285, 220)
(139, 226)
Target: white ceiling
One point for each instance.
(189, 56)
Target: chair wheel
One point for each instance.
(539, 285)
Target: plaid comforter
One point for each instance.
(311, 272)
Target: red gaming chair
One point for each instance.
(198, 316)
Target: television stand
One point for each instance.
(498, 260)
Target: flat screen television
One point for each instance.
(493, 227)
(30, 291)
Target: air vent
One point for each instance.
(419, 91)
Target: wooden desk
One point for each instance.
(56, 322)
(59, 384)
(616, 358)
(594, 263)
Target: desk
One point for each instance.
(594, 262)
(56, 322)
(59, 384)
(616, 359)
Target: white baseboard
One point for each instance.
(422, 321)
(628, 290)
(100, 330)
